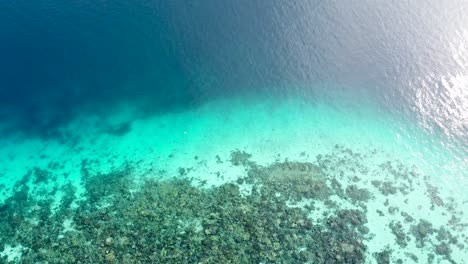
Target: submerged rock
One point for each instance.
(442, 249)
(357, 194)
(400, 235)
(239, 158)
(383, 257)
(294, 180)
(422, 230)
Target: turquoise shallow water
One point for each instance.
(372, 163)
(224, 132)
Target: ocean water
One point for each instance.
(233, 132)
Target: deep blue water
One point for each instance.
(59, 58)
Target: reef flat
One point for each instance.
(284, 212)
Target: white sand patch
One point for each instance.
(11, 253)
(68, 226)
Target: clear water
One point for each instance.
(233, 131)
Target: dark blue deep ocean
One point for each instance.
(59, 58)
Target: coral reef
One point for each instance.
(173, 221)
